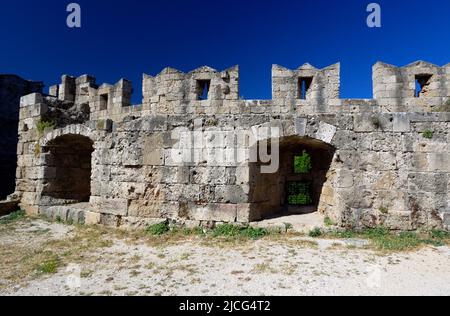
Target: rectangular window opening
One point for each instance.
(103, 102)
(304, 84)
(302, 163)
(203, 87)
(422, 85)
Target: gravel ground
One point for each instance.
(195, 267)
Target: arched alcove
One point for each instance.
(296, 186)
(67, 169)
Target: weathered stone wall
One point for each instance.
(12, 88)
(388, 167)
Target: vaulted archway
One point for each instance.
(296, 186)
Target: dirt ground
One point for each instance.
(41, 258)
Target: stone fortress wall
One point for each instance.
(383, 161)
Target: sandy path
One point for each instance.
(263, 267)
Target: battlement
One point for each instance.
(418, 87)
(202, 84)
(306, 86)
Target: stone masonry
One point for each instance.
(12, 88)
(87, 155)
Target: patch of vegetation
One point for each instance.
(37, 149)
(49, 266)
(315, 233)
(328, 222)
(158, 229)
(42, 125)
(384, 240)
(228, 230)
(346, 234)
(428, 134)
(13, 217)
(383, 210)
(197, 231)
(302, 164)
(288, 226)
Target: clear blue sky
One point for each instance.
(127, 38)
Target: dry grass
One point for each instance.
(24, 261)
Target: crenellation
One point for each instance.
(203, 90)
(306, 86)
(67, 89)
(417, 87)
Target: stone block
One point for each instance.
(243, 212)
(230, 194)
(153, 157)
(402, 123)
(300, 126)
(109, 206)
(31, 99)
(326, 132)
(213, 212)
(92, 218)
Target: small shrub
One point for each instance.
(158, 229)
(315, 233)
(382, 239)
(346, 234)
(383, 210)
(228, 230)
(49, 266)
(437, 234)
(254, 233)
(428, 134)
(43, 125)
(288, 226)
(12, 217)
(328, 222)
(376, 232)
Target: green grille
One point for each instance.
(299, 193)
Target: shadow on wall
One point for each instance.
(12, 88)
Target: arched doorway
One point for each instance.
(67, 173)
(296, 187)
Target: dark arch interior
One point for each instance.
(289, 191)
(67, 176)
